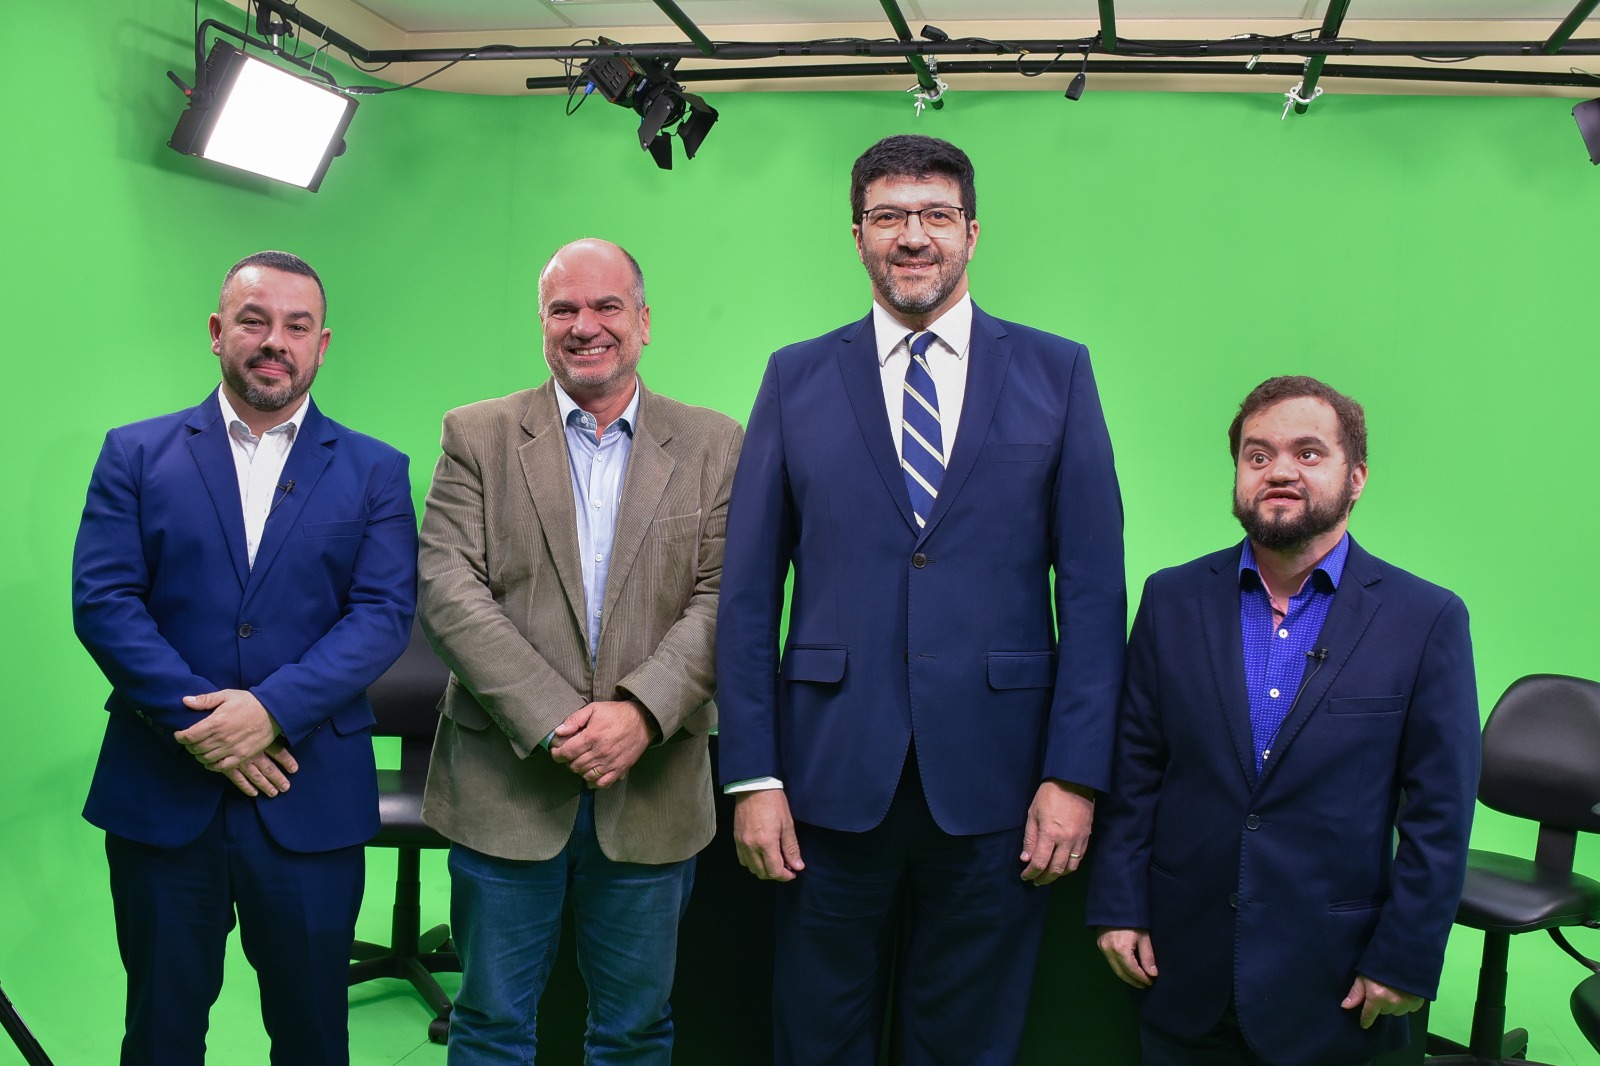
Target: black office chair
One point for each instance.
(1585, 999)
(405, 701)
(1541, 761)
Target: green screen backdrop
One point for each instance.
(1428, 255)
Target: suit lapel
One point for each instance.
(1225, 647)
(649, 469)
(863, 383)
(213, 456)
(988, 359)
(307, 460)
(1351, 612)
(548, 475)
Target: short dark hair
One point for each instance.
(284, 261)
(1352, 419)
(911, 155)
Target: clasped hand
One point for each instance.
(600, 742)
(239, 740)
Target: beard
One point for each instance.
(1294, 531)
(269, 397)
(918, 297)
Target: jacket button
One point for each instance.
(1252, 822)
(245, 630)
(919, 560)
(1233, 900)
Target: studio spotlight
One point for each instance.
(663, 107)
(1588, 116)
(253, 115)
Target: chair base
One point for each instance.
(1513, 1052)
(411, 956)
(435, 954)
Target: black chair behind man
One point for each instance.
(405, 701)
(1541, 761)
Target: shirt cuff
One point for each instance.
(751, 784)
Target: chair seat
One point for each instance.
(400, 811)
(1506, 894)
(1586, 1008)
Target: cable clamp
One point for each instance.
(1293, 97)
(923, 98)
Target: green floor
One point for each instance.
(58, 964)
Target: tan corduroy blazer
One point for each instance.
(501, 598)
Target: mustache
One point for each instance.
(920, 258)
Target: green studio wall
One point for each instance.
(1433, 256)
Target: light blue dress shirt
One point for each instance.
(598, 465)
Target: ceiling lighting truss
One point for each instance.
(928, 58)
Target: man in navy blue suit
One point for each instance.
(941, 485)
(1284, 843)
(243, 571)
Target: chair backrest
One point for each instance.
(405, 700)
(1541, 754)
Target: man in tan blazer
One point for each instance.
(570, 563)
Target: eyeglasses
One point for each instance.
(940, 220)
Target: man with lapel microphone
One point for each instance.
(940, 482)
(1285, 840)
(571, 557)
(243, 571)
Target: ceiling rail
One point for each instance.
(924, 71)
(1332, 20)
(1569, 26)
(1363, 72)
(686, 24)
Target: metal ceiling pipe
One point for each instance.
(1569, 26)
(1108, 24)
(924, 72)
(1453, 75)
(1332, 19)
(686, 24)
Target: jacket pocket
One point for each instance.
(1017, 453)
(1366, 903)
(1367, 705)
(823, 663)
(1021, 669)
(462, 708)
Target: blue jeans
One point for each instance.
(506, 918)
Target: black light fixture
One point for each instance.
(247, 113)
(1079, 80)
(647, 86)
(1588, 116)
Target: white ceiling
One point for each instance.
(388, 24)
(434, 16)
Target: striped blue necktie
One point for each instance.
(921, 439)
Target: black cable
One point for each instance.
(1041, 70)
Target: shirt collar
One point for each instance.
(290, 426)
(954, 328)
(572, 414)
(1331, 567)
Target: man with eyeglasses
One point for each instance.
(925, 740)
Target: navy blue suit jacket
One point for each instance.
(166, 602)
(949, 633)
(1280, 889)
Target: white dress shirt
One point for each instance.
(259, 462)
